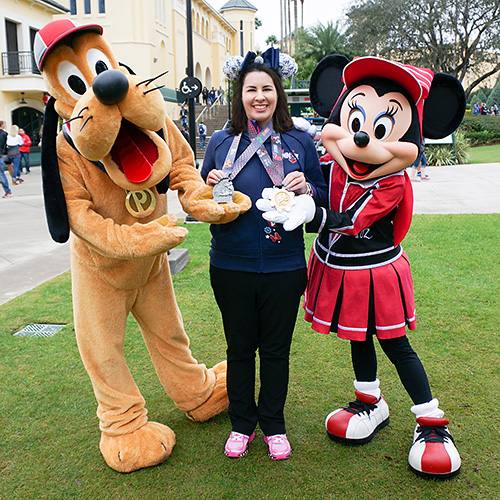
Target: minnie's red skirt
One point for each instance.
(339, 300)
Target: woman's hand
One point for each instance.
(296, 182)
(214, 176)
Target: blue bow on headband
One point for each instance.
(270, 58)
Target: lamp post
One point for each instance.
(190, 72)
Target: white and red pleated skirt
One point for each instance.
(348, 301)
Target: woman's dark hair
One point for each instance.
(282, 121)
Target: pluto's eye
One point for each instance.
(383, 127)
(72, 79)
(356, 120)
(77, 84)
(98, 61)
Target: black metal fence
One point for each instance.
(19, 63)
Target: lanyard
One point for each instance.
(273, 167)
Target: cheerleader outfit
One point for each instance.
(359, 282)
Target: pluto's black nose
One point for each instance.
(110, 86)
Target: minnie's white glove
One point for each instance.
(302, 124)
(302, 210)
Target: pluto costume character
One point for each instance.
(360, 284)
(105, 178)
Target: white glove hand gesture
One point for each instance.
(302, 210)
(303, 125)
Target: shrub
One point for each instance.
(481, 129)
(448, 154)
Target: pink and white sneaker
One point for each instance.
(237, 444)
(279, 446)
(433, 453)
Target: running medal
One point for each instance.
(223, 191)
(140, 204)
(281, 199)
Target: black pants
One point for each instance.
(400, 353)
(259, 312)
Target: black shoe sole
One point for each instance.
(435, 477)
(358, 442)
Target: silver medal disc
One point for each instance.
(223, 191)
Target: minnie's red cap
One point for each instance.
(416, 81)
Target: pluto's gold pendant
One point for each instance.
(140, 204)
(282, 199)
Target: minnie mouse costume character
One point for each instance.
(360, 283)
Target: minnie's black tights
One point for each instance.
(400, 353)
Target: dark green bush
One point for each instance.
(481, 129)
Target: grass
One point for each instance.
(485, 154)
(49, 429)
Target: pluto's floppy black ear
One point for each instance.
(53, 194)
(326, 83)
(162, 186)
(444, 108)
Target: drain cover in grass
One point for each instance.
(39, 330)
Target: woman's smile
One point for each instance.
(259, 97)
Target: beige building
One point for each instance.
(150, 36)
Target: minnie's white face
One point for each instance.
(259, 97)
(367, 142)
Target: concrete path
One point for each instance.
(28, 256)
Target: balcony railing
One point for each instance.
(19, 63)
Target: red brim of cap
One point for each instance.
(373, 67)
(85, 27)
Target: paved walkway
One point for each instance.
(29, 257)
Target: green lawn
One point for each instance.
(485, 154)
(49, 429)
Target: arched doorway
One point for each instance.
(30, 119)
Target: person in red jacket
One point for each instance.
(25, 151)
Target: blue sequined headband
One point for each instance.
(282, 63)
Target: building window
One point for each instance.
(72, 7)
(102, 6)
(86, 6)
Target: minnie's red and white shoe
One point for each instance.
(433, 453)
(358, 422)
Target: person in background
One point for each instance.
(257, 273)
(25, 151)
(204, 95)
(418, 167)
(3, 178)
(220, 93)
(184, 116)
(202, 132)
(185, 133)
(14, 142)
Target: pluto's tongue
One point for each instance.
(361, 168)
(135, 165)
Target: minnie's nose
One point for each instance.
(361, 139)
(110, 86)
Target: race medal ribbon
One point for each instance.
(273, 167)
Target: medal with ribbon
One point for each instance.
(273, 166)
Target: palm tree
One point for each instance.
(271, 40)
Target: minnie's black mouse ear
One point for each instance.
(53, 194)
(326, 83)
(444, 108)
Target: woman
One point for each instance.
(257, 273)
(14, 141)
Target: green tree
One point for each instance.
(460, 37)
(494, 97)
(314, 43)
(272, 40)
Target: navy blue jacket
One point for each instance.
(250, 243)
